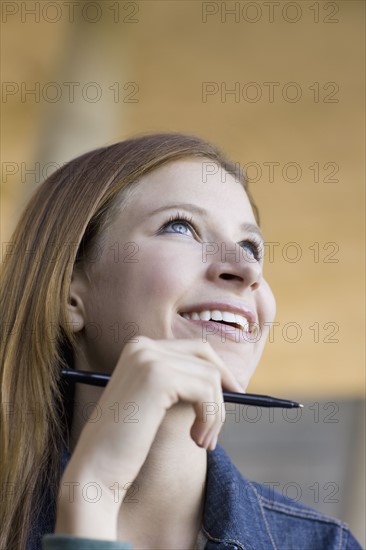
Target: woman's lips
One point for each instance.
(237, 308)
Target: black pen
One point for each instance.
(100, 379)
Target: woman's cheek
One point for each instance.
(167, 270)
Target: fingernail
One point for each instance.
(213, 444)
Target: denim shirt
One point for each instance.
(238, 515)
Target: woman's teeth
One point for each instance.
(215, 315)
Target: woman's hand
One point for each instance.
(150, 377)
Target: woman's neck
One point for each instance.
(164, 507)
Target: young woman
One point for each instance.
(142, 260)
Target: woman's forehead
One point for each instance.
(191, 181)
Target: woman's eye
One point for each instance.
(179, 224)
(254, 249)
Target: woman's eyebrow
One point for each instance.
(249, 227)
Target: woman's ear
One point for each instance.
(75, 302)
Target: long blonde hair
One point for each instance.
(66, 215)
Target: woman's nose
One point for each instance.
(231, 262)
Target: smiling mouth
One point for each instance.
(224, 318)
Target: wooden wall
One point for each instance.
(296, 70)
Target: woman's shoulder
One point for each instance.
(256, 515)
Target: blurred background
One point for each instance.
(279, 86)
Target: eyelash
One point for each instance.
(180, 217)
(256, 247)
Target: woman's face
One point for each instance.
(150, 270)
